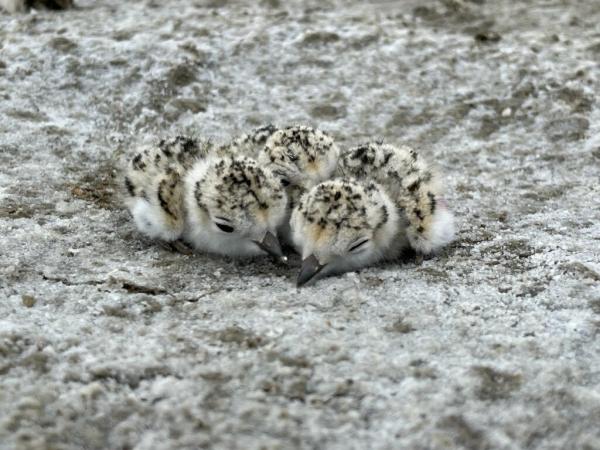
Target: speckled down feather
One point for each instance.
(411, 183)
(231, 204)
(248, 144)
(345, 224)
(153, 185)
(301, 156)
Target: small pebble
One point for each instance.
(28, 300)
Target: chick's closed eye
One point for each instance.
(224, 228)
(358, 245)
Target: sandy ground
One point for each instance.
(109, 341)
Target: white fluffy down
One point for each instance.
(149, 219)
(440, 233)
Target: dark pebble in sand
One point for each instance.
(182, 75)
(328, 111)
(320, 38)
(567, 129)
(62, 44)
(28, 300)
(487, 36)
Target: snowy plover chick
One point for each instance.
(13, 6)
(234, 207)
(342, 225)
(248, 144)
(301, 157)
(154, 186)
(413, 186)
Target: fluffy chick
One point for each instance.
(412, 184)
(154, 186)
(234, 207)
(301, 157)
(248, 144)
(342, 225)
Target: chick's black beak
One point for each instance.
(310, 268)
(270, 244)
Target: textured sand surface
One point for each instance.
(109, 341)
